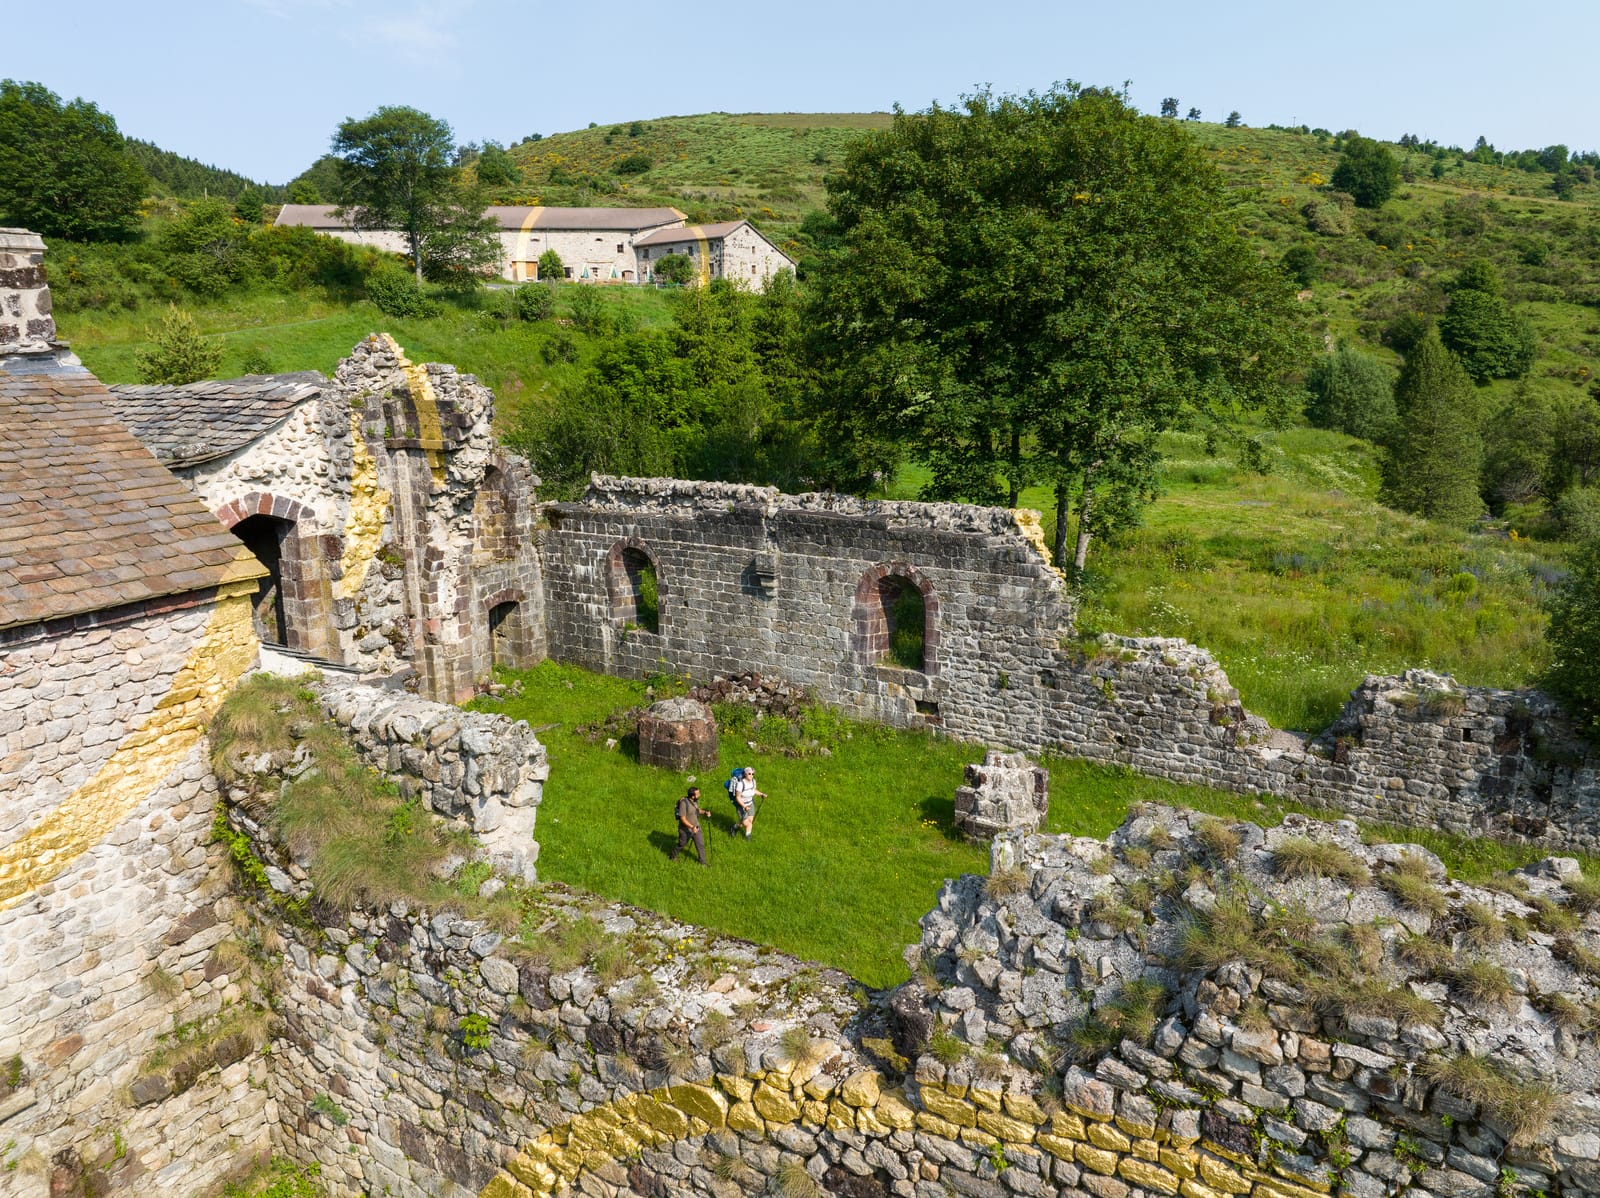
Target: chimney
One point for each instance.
(26, 326)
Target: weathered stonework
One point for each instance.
(26, 323)
(1006, 793)
(483, 772)
(680, 734)
(792, 586)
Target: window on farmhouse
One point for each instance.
(619, 247)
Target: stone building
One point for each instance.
(729, 250)
(397, 537)
(124, 621)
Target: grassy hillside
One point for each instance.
(767, 167)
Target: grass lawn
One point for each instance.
(307, 331)
(1300, 582)
(849, 851)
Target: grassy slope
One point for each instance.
(849, 851)
(1300, 582)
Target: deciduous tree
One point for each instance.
(1367, 171)
(1353, 393)
(1033, 288)
(1573, 635)
(396, 172)
(1491, 340)
(64, 170)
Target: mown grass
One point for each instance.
(849, 851)
(1300, 582)
(307, 331)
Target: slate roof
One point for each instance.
(692, 233)
(88, 518)
(511, 218)
(184, 426)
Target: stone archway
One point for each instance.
(294, 606)
(511, 640)
(896, 599)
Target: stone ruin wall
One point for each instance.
(111, 900)
(750, 579)
(482, 773)
(411, 524)
(570, 1083)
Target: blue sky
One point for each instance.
(258, 86)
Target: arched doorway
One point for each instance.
(635, 586)
(505, 634)
(264, 537)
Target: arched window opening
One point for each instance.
(906, 616)
(634, 586)
(896, 620)
(264, 537)
(643, 589)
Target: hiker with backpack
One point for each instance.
(742, 790)
(688, 813)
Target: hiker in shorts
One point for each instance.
(745, 795)
(689, 812)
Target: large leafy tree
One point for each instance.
(396, 172)
(1352, 392)
(1367, 171)
(1492, 341)
(64, 169)
(1031, 289)
(1437, 452)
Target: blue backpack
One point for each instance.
(737, 776)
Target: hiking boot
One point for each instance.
(747, 833)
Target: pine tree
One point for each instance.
(1437, 451)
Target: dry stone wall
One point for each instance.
(483, 772)
(424, 1053)
(801, 587)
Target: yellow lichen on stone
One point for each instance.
(1057, 1146)
(667, 1119)
(702, 1103)
(895, 1113)
(934, 1125)
(363, 527)
(1151, 1177)
(861, 1088)
(143, 758)
(1022, 1106)
(1004, 1127)
(1032, 529)
(503, 1185)
(774, 1105)
(1181, 1163)
(952, 1110)
(1221, 1177)
(1194, 1189)
(738, 1088)
(1103, 1135)
(984, 1098)
(814, 1110)
(1070, 1126)
(1146, 1150)
(1097, 1159)
(742, 1117)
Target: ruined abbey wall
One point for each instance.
(794, 587)
(110, 900)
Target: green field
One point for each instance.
(1300, 582)
(849, 850)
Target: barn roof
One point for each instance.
(692, 233)
(512, 218)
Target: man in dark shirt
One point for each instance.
(689, 813)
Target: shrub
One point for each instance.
(1368, 171)
(396, 292)
(1353, 393)
(675, 268)
(551, 268)
(1302, 857)
(560, 346)
(534, 301)
(633, 164)
(1573, 635)
(179, 353)
(1300, 264)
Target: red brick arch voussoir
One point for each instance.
(264, 503)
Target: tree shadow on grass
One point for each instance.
(942, 811)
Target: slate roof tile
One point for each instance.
(89, 518)
(184, 426)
